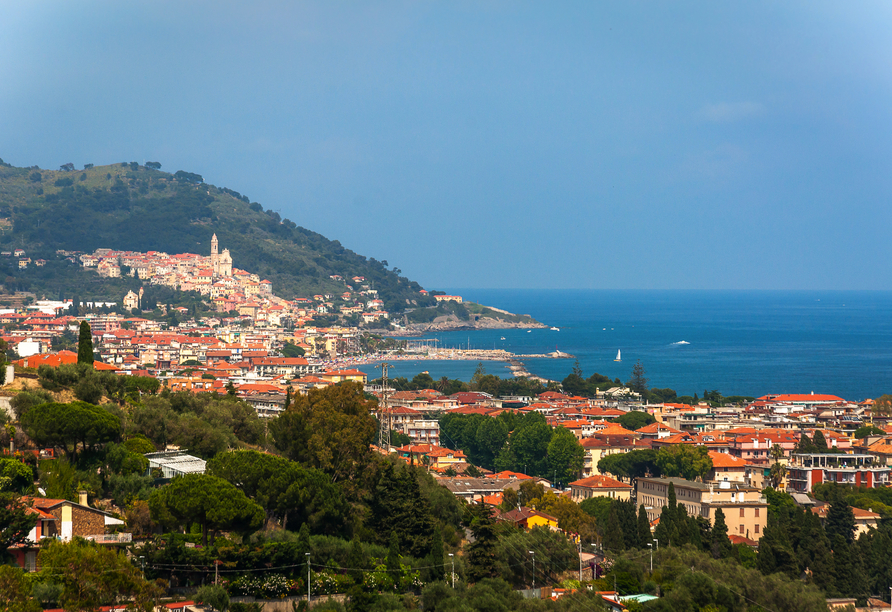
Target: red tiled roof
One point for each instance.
(600, 482)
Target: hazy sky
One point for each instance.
(495, 144)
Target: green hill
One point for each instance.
(131, 207)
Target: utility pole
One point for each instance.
(216, 572)
(384, 413)
(651, 547)
(452, 558)
(534, 569)
(308, 580)
(580, 558)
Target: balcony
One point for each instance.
(111, 538)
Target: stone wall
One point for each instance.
(84, 521)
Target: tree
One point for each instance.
(644, 534)
(85, 344)
(69, 425)
(489, 439)
(684, 461)
(210, 501)
(565, 455)
(330, 429)
(20, 475)
(840, 521)
(92, 575)
(636, 419)
(721, 545)
(213, 595)
(820, 442)
(285, 489)
(481, 556)
(883, 405)
(15, 521)
(778, 469)
(868, 430)
(638, 382)
(15, 591)
(805, 445)
(529, 444)
(153, 165)
(398, 506)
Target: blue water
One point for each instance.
(740, 342)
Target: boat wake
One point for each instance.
(680, 342)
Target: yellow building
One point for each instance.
(599, 486)
(527, 518)
(336, 376)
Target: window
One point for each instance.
(740, 529)
(742, 512)
(757, 516)
(757, 528)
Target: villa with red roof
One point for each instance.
(599, 486)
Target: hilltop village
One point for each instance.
(247, 441)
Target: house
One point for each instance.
(527, 518)
(745, 508)
(599, 486)
(726, 467)
(865, 520)
(809, 469)
(336, 376)
(65, 519)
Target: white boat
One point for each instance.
(555, 329)
(619, 356)
(502, 338)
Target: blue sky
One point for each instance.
(687, 145)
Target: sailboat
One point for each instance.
(619, 356)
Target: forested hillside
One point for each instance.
(127, 206)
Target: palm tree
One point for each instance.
(443, 384)
(778, 470)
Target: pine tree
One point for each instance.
(85, 344)
(638, 382)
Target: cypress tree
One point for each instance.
(721, 545)
(481, 558)
(614, 539)
(820, 442)
(393, 556)
(805, 445)
(85, 344)
(437, 556)
(357, 560)
(645, 537)
(840, 521)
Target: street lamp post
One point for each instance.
(651, 547)
(452, 558)
(308, 579)
(658, 544)
(534, 568)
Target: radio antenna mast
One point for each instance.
(384, 415)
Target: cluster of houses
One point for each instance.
(231, 289)
(739, 441)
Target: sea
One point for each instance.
(737, 342)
